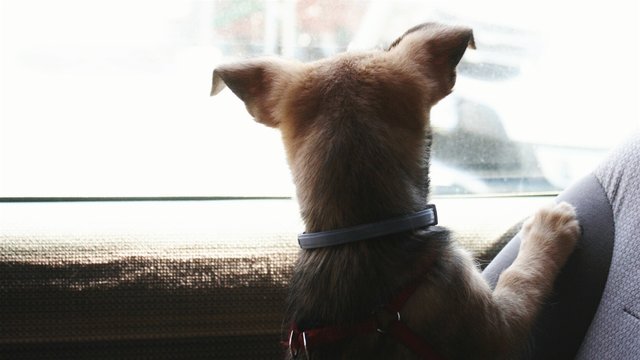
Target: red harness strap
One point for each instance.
(385, 321)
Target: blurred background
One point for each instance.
(111, 98)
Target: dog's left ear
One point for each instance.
(437, 49)
(259, 83)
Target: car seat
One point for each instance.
(594, 312)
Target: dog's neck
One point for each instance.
(349, 191)
(333, 212)
(358, 181)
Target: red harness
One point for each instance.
(386, 321)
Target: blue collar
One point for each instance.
(421, 219)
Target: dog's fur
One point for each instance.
(357, 137)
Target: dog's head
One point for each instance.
(351, 120)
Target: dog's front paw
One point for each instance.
(553, 230)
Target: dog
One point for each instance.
(357, 138)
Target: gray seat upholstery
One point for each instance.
(594, 312)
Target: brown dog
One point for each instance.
(356, 132)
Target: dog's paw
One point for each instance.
(553, 230)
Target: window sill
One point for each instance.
(98, 232)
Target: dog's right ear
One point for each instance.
(258, 83)
(437, 49)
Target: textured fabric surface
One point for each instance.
(145, 280)
(144, 308)
(170, 280)
(566, 316)
(615, 331)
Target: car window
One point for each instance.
(110, 98)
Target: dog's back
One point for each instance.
(356, 132)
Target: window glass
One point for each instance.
(110, 98)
